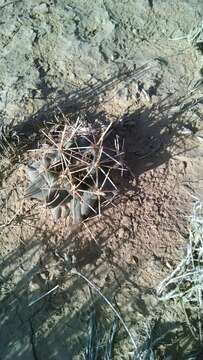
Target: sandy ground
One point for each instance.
(73, 54)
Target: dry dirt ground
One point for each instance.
(138, 240)
(142, 235)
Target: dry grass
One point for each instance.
(185, 283)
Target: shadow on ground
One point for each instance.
(56, 326)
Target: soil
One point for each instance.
(74, 55)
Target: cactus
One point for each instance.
(73, 174)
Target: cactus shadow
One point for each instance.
(151, 138)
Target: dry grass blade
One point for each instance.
(94, 287)
(43, 296)
(185, 284)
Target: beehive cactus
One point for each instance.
(72, 176)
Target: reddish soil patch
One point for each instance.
(146, 225)
(140, 237)
(142, 233)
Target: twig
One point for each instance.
(43, 296)
(93, 286)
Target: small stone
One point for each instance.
(121, 233)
